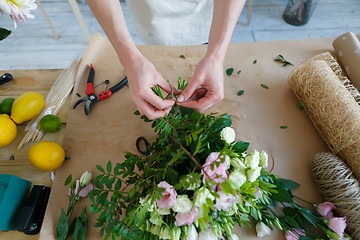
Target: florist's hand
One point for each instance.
(206, 87)
(142, 76)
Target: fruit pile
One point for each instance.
(44, 155)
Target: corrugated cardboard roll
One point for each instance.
(331, 107)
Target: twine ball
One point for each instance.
(338, 185)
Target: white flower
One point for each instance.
(237, 163)
(226, 201)
(233, 237)
(263, 159)
(201, 195)
(253, 174)
(156, 219)
(192, 234)
(207, 235)
(262, 230)
(228, 135)
(164, 233)
(182, 204)
(85, 177)
(17, 9)
(163, 211)
(238, 177)
(252, 159)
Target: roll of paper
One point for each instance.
(347, 48)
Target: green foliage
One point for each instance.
(281, 59)
(4, 33)
(229, 71)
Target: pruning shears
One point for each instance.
(91, 97)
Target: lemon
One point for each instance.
(8, 130)
(46, 155)
(50, 123)
(27, 106)
(6, 104)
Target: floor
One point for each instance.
(32, 45)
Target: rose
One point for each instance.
(225, 201)
(262, 229)
(216, 173)
(325, 209)
(263, 159)
(238, 177)
(201, 195)
(238, 164)
(169, 195)
(192, 234)
(85, 179)
(207, 235)
(182, 219)
(290, 235)
(182, 204)
(228, 135)
(338, 225)
(253, 174)
(252, 160)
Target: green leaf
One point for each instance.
(264, 86)
(182, 56)
(108, 167)
(255, 61)
(287, 183)
(281, 59)
(239, 72)
(68, 180)
(175, 158)
(283, 127)
(241, 146)
(229, 71)
(241, 92)
(282, 195)
(299, 105)
(4, 33)
(137, 112)
(100, 168)
(77, 94)
(62, 227)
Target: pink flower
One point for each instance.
(290, 235)
(325, 209)
(76, 190)
(85, 190)
(338, 225)
(217, 174)
(169, 196)
(225, 202)
(182, 219)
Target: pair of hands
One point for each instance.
(204, 90)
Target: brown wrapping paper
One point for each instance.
(111, 128)
(347, 48)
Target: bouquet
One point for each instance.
(197, 182)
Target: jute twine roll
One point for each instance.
(338, 185)
(331, 107)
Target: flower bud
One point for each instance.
(228, 135)
(85, 179)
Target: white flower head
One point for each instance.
(18, 9)
(225, 201)
(207, 235)
(264, 159)
(192, 234)
(238, 177)
(163, 211)
(85, 177)
(252, 160)
(237, 163)
(262, 229)
(228, 135)
(182, 204)
(201, 195)
(253, 174)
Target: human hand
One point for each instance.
(206, 87)
(143, 76)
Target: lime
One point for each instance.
(46, 155)
(50, 123)
(6, 104)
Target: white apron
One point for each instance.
(172, 22)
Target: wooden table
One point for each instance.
(39, 81)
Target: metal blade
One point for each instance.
(80, 101)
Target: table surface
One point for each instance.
(257, 116)
(39, 81)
